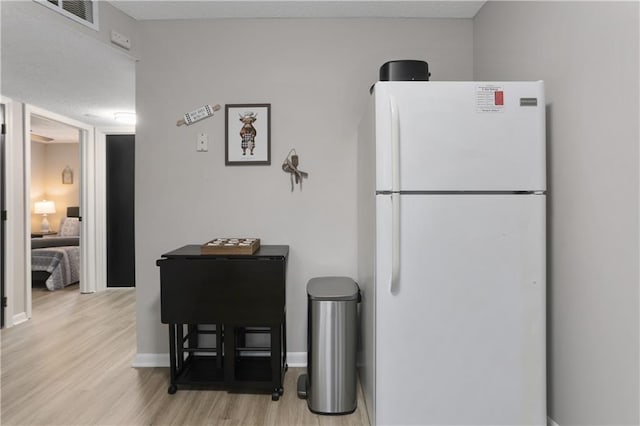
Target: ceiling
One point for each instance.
(150, 10)
(50, 64)
(54, 130)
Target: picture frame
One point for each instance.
(247, 133)
(67, 176)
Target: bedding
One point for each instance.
(61, 262)
(56, 260)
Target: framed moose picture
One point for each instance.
(247, 134)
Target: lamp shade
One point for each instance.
(44, 207)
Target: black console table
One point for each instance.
(229, 297)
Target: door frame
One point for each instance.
(88, 260)
(3, 232)
(14, 197)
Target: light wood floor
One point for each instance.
(71, 365)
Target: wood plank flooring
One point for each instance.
(71, 365)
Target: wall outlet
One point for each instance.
(120, 40)
(202, 143)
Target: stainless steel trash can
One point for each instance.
(330, 383)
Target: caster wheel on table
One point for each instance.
(275, 396)
(172, 389)
(281, 391)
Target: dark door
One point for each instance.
(3, 221)
(120, 218)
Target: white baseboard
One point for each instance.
(550, 422)
(294, 359)
(297, 359)
(151, 360)
(20, 318)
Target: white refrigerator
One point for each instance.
(451, 253)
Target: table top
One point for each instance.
(193, 250)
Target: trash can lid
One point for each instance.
(332, 288)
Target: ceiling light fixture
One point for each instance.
(125, 117)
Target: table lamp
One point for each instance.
(44, 208)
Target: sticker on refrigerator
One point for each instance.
(489, 98)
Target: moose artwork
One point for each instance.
(247, 134)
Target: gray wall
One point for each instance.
(587, 53)
(109, 18)
(55, 63)
(316, 74)
(22, 47)
(48, 160)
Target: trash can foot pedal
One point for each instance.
(302, 386)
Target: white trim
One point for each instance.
(26, 171)
(88, 269)
(151, 360)
(120, 130)
(638, 263)
(550, 422)
(19, 318)
(101, 214)
(12, 234)
(297, 359)
(294, 359)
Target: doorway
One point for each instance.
(85, 176)
(54, 198)
(120, 156)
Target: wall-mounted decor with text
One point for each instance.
(67, 176)
(247, 134)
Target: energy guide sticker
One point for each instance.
(489, 98)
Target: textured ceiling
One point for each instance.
(148, 10)
(58, 132)
(46, 63)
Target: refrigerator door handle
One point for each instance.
(394, 286)
(395, 197)
(395, 145)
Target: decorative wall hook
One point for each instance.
(198, 114)
(290, 165)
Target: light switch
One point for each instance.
(202, 144)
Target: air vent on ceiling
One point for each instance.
(82, 11)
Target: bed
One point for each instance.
(55, 261)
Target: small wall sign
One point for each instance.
(67, 176)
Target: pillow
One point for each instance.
(69, 227)
(54, 242)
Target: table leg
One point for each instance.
(284, 342)
(180, 346)
(229, 354)
(172, 358)
(219, 345)
(276, 360)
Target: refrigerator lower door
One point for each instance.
(461, 338)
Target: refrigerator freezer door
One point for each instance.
(450, 136)
(461, 339)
